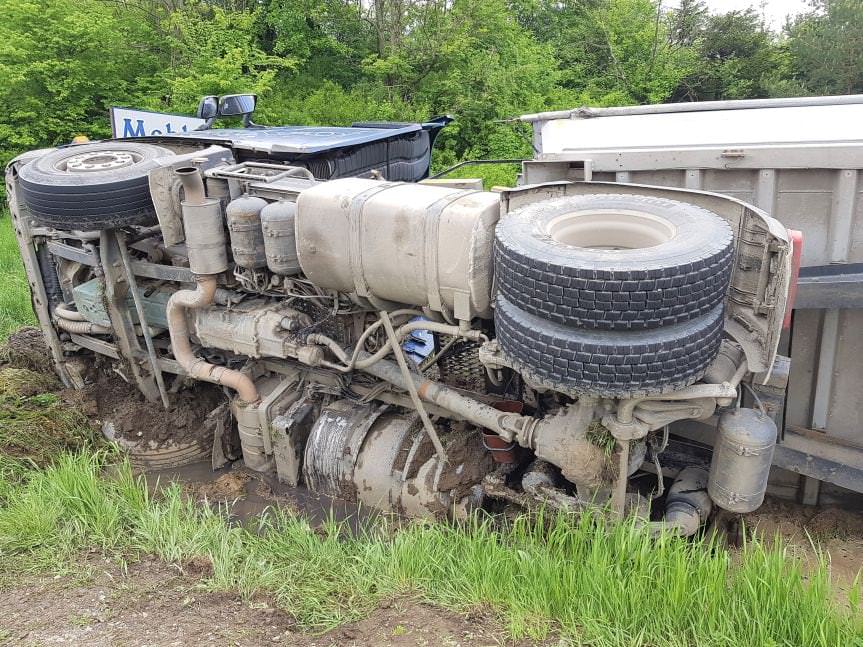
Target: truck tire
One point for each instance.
(614, 262)
(92, 187)
(608, 363)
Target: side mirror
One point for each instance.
(232, 105)
(208, 108)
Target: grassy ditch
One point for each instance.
(37, 424)
(587, 581)
(594, 583)
(15, 309)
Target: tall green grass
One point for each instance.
(15, 308)
(593, 583)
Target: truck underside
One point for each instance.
(417, 348)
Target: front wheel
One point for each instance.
(93, 186)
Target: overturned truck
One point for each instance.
(568, 323)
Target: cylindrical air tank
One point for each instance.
(742, 455)
(244, 224)
(280, 241)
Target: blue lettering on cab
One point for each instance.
(137, 131)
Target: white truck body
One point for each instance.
(799, 160)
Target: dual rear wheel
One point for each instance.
(615, 295)
(92, 186)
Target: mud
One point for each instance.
(246, 494)
(108, 397)
(26, 349)
(154, 604)
(135, 419)
(835, 533)
(798, 522)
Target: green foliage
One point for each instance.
(329, 38)
(738, 59)
(826, 47)
(587, 580)
(15, 310)
(63, 63)
(213, 51)
(36, 425)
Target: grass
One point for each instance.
(36, 425)
(15, 308)
(590, 582)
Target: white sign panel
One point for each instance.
(142, 123)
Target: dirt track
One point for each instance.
(157, 605)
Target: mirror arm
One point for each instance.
(248, 123)
(207, 124)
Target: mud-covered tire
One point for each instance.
(608, 363)
(557, 259)
(91, 187)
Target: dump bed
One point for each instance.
(798, 159)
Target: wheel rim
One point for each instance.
(98, 161)
(610, 229)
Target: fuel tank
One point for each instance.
(402, 243)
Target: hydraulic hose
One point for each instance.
(81, 327)
(445, 329)
(62, 311)
(74, 322)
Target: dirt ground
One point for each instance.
(835, 532)
(108, 397)
(156, 605)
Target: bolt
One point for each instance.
(290, 324)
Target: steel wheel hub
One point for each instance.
(100, 161)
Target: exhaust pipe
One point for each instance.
(193, 185)
(205, 241)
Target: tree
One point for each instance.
(610, 51)
(62, 64)
(686, 23)
(327, 38)
(826, 47)
(736, 59)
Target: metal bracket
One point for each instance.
(116, 289)
(24, 236)
(830, 286)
